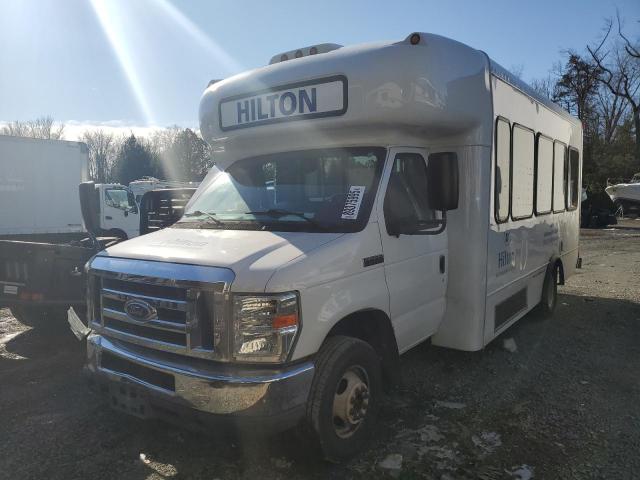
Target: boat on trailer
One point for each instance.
(625, 196)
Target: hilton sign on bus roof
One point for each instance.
(324, 97)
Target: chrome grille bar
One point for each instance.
(188, 313)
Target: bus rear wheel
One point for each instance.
(549, 298)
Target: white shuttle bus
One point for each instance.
(371, 198)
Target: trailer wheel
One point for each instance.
(618, 208)
(549, 298)
(38, 317)
(344, 398)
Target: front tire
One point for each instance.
(549, 298)
(344, 398)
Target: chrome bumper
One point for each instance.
(201, 385)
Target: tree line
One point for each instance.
(172, 153)
(601, 86)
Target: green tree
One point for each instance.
(135, 160)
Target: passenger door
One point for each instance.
(415, 264)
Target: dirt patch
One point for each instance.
(563, 404)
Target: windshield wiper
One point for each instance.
(209, 215)
(279, 212)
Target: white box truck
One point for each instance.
(39, 186)
(372, 198)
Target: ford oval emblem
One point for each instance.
(139, 310)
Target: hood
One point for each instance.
(252, 255)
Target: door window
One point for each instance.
(406, 204)
(120, 198)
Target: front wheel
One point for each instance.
(618, 207)
(344, 398)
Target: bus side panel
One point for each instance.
(519, 251)
(463, 324)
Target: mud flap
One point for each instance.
(79, 329)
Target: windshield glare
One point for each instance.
(326, 190)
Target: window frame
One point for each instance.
(530, 215)
(564, 178)
(568, 192)
(429, 230)
(535, 175)
(496, 213)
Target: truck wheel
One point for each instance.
(35, 316)
(344, 398)
(549, 298)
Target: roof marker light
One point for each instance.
(298, 53)
(415, 38)
(313, 50)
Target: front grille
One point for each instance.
(187, 319)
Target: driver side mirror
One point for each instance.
(443, 181)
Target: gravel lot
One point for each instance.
(566, 404)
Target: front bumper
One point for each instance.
(273, 398)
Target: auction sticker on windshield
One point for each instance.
(352, 203)
(323, 97)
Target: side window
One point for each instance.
(559, 169)
(572, 179)
(503, 170)
(406, 205)
(120, 198)
(522, 177)
(544, 175)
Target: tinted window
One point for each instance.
(559, 166)
(503, 170)
(406, 204)
(522, 177)
(572, 179)
(544, 175)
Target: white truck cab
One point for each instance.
(371, 198)
(119, 205)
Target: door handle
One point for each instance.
(443, 262)
(108, 217)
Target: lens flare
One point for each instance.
(108, 14)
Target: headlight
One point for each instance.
(264, 326)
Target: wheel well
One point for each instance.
(373, 327)
(560, 269)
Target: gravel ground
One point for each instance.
(565, 404)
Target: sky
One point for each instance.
(141, 64)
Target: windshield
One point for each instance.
(312, 190)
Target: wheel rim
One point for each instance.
(620, 211)
(350, 401)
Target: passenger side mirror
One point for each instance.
(89, 206)
(443, 181)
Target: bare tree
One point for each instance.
(103, 150)
(620, 73)
(543, 86)
(42, 127)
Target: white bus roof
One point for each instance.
(380, 93)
